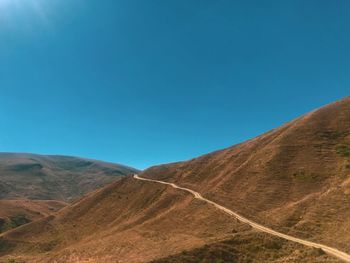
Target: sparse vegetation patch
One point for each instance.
(343, 149)
(304, 176)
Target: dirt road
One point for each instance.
(329, 250)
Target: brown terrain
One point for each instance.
(27, 178)
(294, 179)
(45, 177)
(14, 213)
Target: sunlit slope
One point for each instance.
(40, 177)
(295, 178)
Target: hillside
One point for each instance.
(249, 247)
(39, 177)
(132, 221)
(14, 213)
(295, 179)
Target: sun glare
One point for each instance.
(12, 9)
(5, 3)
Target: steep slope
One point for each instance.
(30, 176)
(14, 213)
(294, 179)
(132, 221)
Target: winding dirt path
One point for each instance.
(329, 250)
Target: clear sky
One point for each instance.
(148, 82)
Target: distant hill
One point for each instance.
(295, 179)
(40, 177)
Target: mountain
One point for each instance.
(49, 177)
(294, 179)
(14, 213)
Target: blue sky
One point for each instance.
(149, 82)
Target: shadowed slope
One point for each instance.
(14, 213)
(249, 247)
